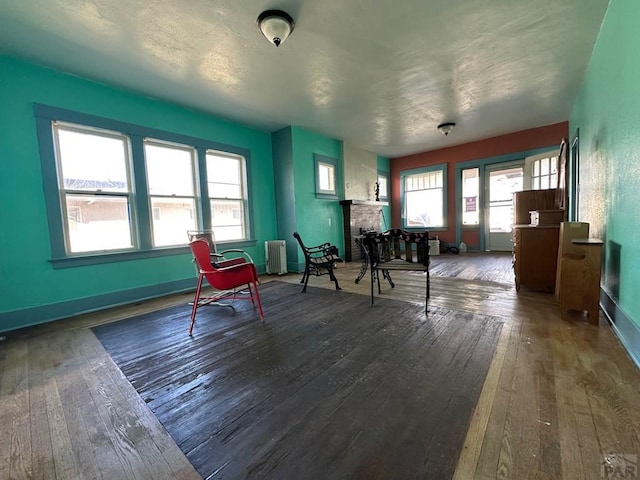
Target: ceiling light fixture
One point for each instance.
(445, 128)
(276, 25)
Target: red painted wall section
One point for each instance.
(525, 140)
(471, 238)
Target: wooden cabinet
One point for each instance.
(580, 289)
(528, 200)
(568, 232)
(535, 256)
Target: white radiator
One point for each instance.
(275, 252)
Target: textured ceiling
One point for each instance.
(380, 75)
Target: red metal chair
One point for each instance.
(227, 277)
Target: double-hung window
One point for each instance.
(96, 193)
(226, 181)
(172, 191)
(116, 190)
(424, 198)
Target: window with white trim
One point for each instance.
(172, 191)
(115, 190)
(326, 178)
(470, 196)
(541, 171)
(326, 170)
(95, 189)
(543, 174)
(227, 195)
(424, 198)
(383, 186)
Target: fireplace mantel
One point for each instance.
(346, 203)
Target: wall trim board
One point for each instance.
(31, 316)
(295, 267)
(28, 317)
(625, 329)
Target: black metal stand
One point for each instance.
(365, 260)
(365, 265)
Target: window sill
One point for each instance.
(327, 196)
(103, 258)
(422, 229)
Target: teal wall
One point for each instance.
(31, 290)
(284, 181)
(607, 112)
(318, 220)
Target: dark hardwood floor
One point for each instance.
(329, 387)
(559, 394)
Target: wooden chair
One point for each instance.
(318, 260)
(398, 250)
(227, 277)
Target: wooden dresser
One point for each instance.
(535, 247)
(535, 256)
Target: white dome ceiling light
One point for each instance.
(445, 128)
(276, 25)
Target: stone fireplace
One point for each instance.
(359, 216)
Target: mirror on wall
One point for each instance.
(561, 187)
(574, 189)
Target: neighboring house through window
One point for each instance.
(227, 195)
(114, 188)
(94, 178)
(172, 190)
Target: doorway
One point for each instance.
(501, 182)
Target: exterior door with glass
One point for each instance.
(501, 182)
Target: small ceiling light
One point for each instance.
(445, 128)
(276, 25)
